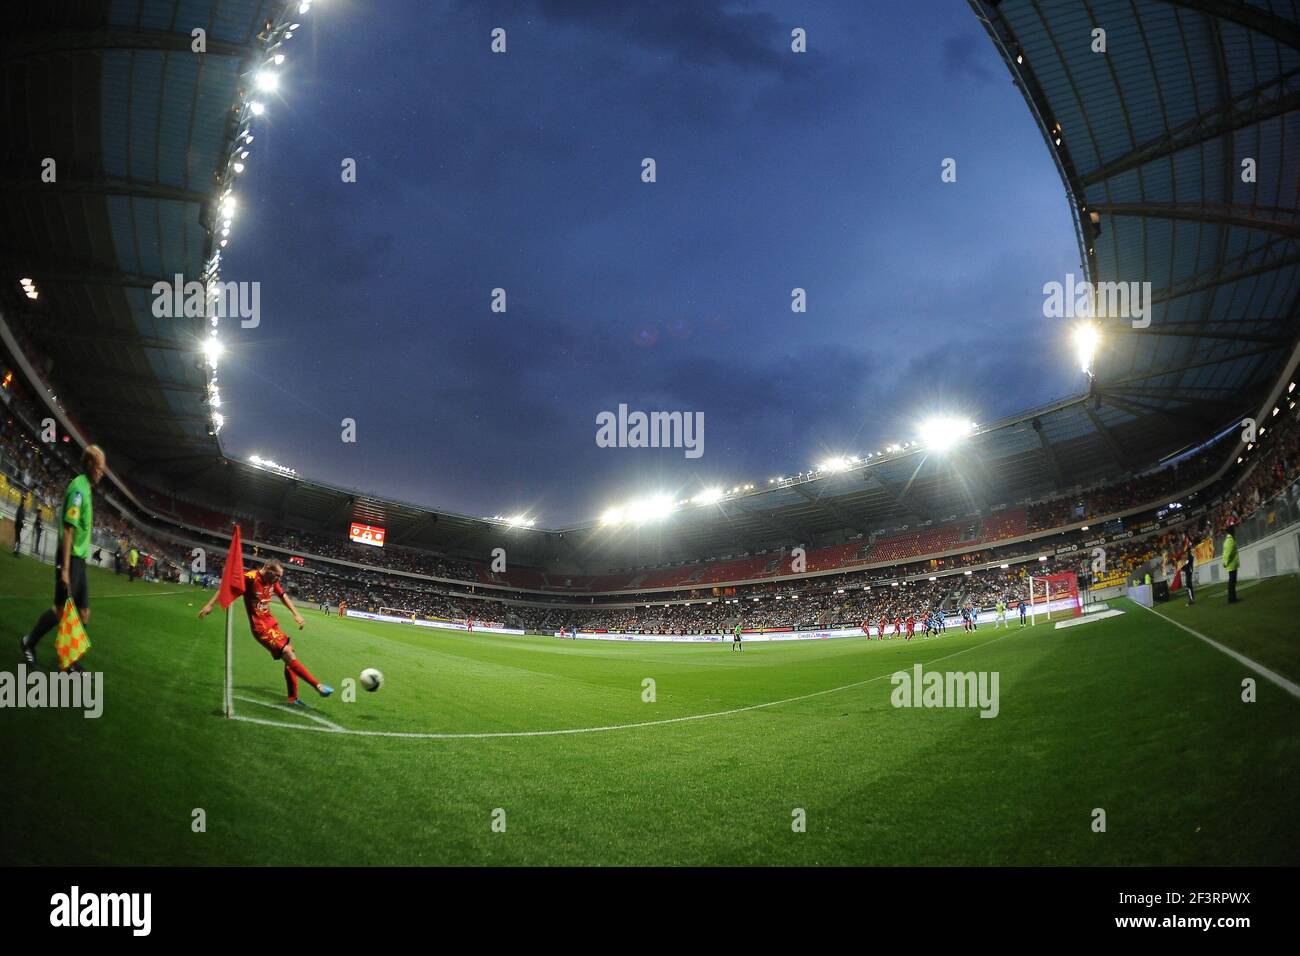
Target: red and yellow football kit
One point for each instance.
(257, 601)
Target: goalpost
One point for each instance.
(1053, 594)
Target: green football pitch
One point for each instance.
(531, 750)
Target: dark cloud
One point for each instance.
(522, 172)
(968, 56)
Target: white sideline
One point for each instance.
(98, 597)
(414, 735)
(1288, 686)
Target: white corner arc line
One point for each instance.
(310, 715)
(417, 735)
(1289, 686)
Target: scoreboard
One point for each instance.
(369, 534)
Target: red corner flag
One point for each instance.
(232, 578)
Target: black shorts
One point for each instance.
(77, 584)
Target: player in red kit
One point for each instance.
(911, 625)
(898, 626)
(260, 587)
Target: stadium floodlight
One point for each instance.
(941, 433)
(278, 59)
(834, 465)
(237, 166)
(612, 516)
(267, 81)
(212, 349)
(257, 108)
(1085, 345)
(649, 509)
(228, 208)
(270, 465)
(708, 496)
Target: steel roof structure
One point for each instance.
(119, 138)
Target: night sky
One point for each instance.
(523, 171)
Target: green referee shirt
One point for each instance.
(77, 514)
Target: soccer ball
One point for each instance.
(372, 679)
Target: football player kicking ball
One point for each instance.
(260, 586)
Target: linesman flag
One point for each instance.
(232, 578)
(72, 641)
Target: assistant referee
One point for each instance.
(74, 548)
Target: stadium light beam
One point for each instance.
(212, 350)
(1085, 345)
(941, 433)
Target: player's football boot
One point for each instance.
(298, 702)
(325, 690)
(29, 655)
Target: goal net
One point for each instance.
(1054, 596)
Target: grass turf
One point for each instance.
(1129, 714)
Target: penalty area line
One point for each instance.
(1289, 686)
(418, 735)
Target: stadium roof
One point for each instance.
(140, 130)
(1151, 138)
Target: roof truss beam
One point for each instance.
(1202, 332)
(830, 507)
(102, 187)
(1220, 214)
(1049, 453)
(1112, 445)
(28, 45)
(1248, 16)
(1248, 110)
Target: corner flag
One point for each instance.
(232, 578)
(232, 586)
(72, 640)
